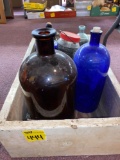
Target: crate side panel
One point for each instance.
(109, 105)
(18, 108)
(64, 140)
(10, 106)
(8, 101)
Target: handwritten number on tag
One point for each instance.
(34, 135)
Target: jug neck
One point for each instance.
(82, 28)
(45, 47)
(95, 38)
(44, 41)
(81, 31)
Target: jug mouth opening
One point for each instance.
(82, 27)
(41, 33)
(44, 32)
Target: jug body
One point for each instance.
(47, 78)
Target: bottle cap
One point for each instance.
(69, 36)
(96, 30)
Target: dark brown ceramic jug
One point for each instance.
(47, 78)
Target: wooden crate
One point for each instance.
(95, 134)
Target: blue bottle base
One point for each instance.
(87, 97)
(84, 110)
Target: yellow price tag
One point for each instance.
(113, 9)
(34, 135)
(42, 15)
(52, 15)
(89, 7)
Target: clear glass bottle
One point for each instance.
(83, 35)
(92, 60)
(47, 78)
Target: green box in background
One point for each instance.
(96, 11)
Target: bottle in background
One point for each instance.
(68, 42)
(83, 35)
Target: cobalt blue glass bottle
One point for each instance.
(92, 60)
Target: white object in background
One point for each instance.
(64, 3)
(35, 15)
(82, 5)
(26, 1)
(82, 13)
(97, 29)
(56, 8)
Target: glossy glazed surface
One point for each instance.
(48, 79)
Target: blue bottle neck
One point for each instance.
(95, 38)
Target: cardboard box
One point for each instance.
(96, 11)
(96, 133)
(35, 5)
(60, 14)
(83, 7)
(35, 15)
